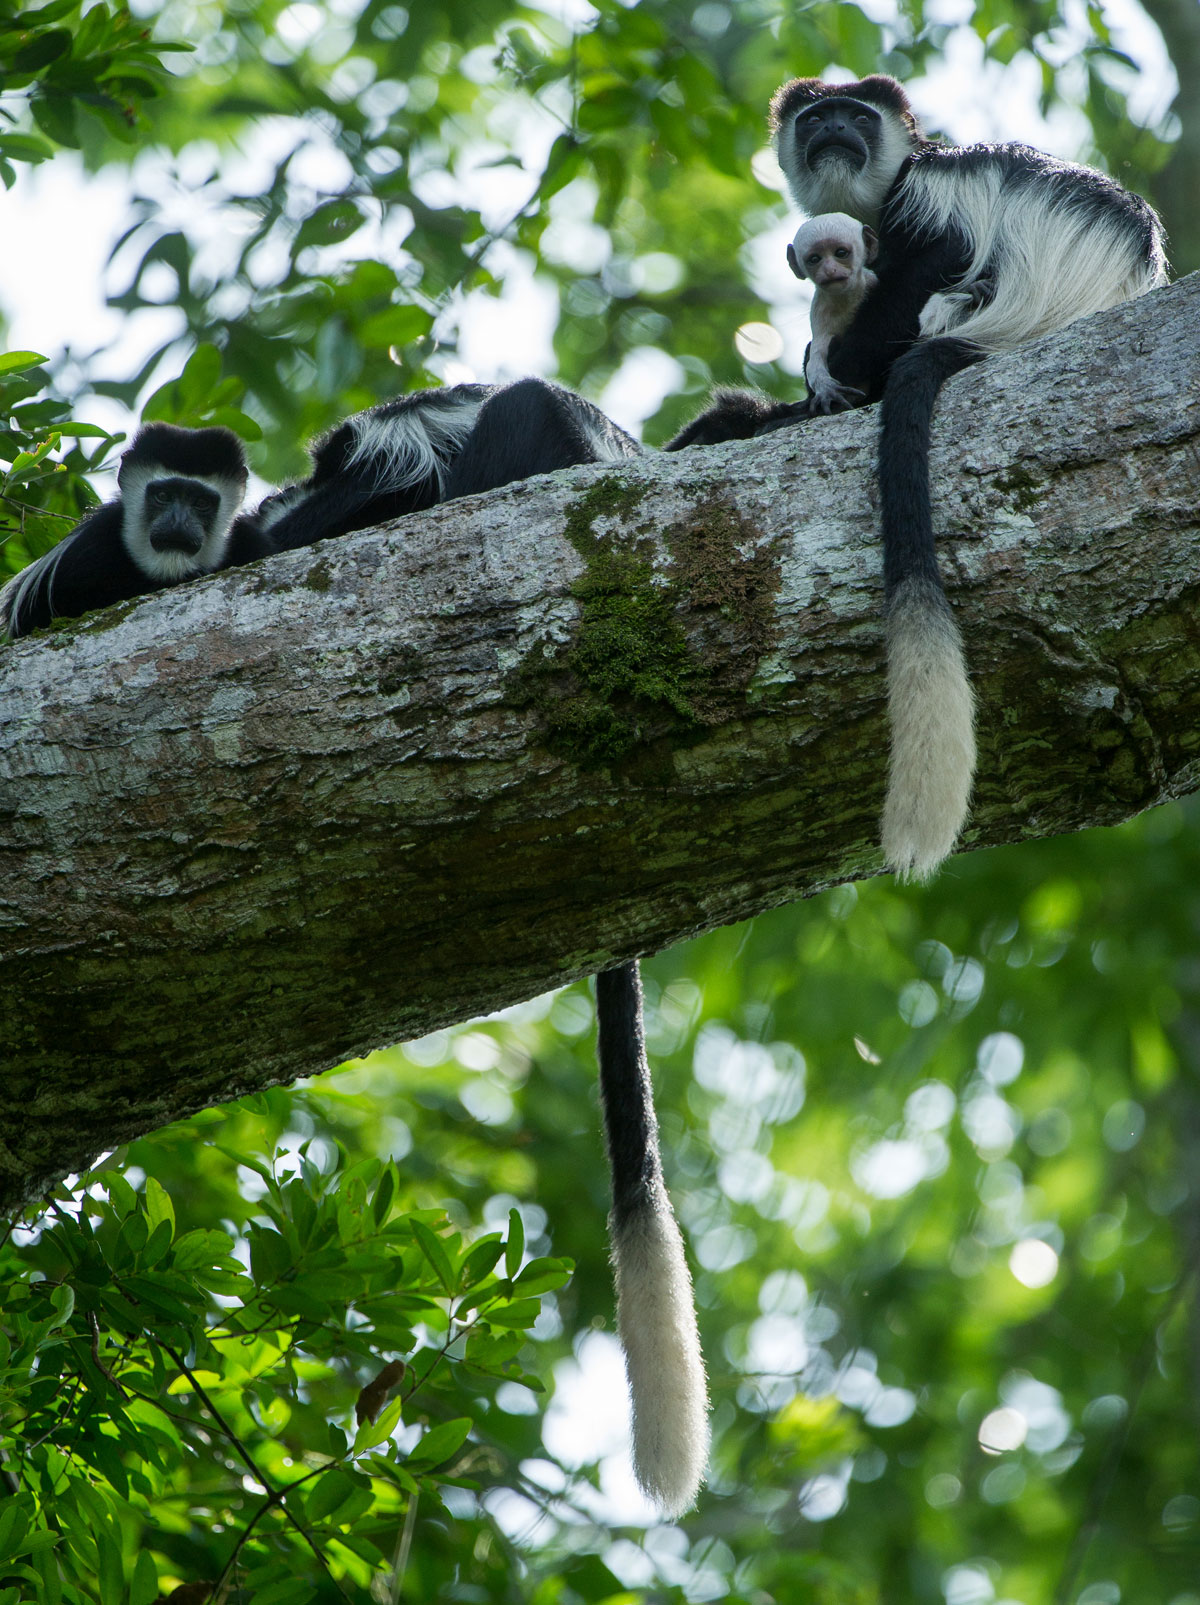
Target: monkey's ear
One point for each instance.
(871, 242)
(794, 262)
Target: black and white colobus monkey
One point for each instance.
(433, 446)
(174, 517)
(403, 456)
(981, 248)
(834, 251)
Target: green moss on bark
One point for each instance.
(631, 679)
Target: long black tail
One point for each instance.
(930, 703)
(656, 1313)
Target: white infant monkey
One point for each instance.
(833, 251)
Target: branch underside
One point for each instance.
(261, 823)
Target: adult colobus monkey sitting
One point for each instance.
(981, 248)
(403, 456)
(174, 517)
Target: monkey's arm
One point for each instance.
(888, 321)
(733, 415)
(315, 511)
(248, 541)
(89, 568)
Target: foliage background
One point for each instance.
(934, 1149)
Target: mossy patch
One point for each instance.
(59, 631)
(319, 577)
(1025, 489)
(631, 685)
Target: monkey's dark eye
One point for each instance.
(812, 258)
(864, 117)
(842, 250)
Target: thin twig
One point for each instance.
(249, 1461)
(400, 1563)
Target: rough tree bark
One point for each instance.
(263, 822)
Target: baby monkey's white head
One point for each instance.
(832, 250)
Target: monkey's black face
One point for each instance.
(180, 514)
(837, 128)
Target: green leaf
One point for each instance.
(295, 1301)
(251, 1163)
(54, 114)
(158, 1205)
(52, 11)
(481, 1260)
(492, 1351)
(270, 1256)
(562, 165)
(20, 361)
(382, 1202)
(43, 49)
(201, 374)
(438, 1444)
(121, 1194)
(329, 225)
(25, 147)
(543, 1275)
(112, 1573)
(201, 1248)
(331, 1490)
(398, 326)
(158, 1244)
(63, 1301)
(14, 1523)
(522, 1312)
(47, 1566)
(514, 1249)
(150, 1290)
(143, 1590)
(372, 1433)
(431, 1247)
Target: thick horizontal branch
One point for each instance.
(260, 823)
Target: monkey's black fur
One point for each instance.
(626, 1091)
(174, 518)
(905, 421)
(434, 446)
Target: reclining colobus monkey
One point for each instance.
(174, 517)
(403, 456)
(435, 445)
(980, 249)
(833, 250)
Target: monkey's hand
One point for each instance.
(833, 397)
(821, 401)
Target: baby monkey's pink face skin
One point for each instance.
(832, 250)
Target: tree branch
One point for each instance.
(256, 824)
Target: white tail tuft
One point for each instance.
(657, 1322)
(932, 712)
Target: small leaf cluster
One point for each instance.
(43, 491)
(132, 1351)
(66, 62)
